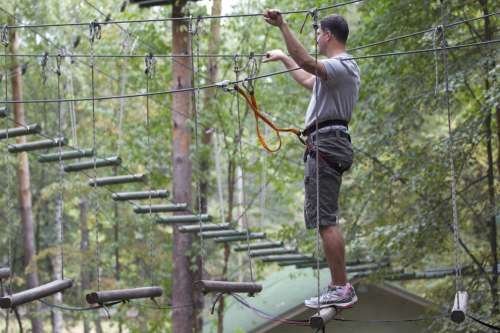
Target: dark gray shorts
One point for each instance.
(335, 157)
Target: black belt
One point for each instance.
(327, 123)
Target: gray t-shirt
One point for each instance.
(338, 94)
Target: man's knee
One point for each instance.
(328, 230)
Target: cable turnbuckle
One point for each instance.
(4, 35)
(150, 64)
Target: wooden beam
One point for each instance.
(89, 164)
(115, 180)
(4, 273)
(253, 235)
(319, 320)
(258, 246)
(140, 195)
(204, 227)
(65, 155)
(170, 208)
(183, 219)
(285, 257)
(37, 145)
(14, 300)
(109, 296)
(208, 286)
(223, 233)
(268, 252)
(20, 131)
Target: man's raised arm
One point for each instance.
(298, 53)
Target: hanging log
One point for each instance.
(286, 257)
(222, 233)
(319, 320)
(258, 246)
(140, 195)
(20, 131)
(37, 145)
(26, 296)
(184, 219)
(99, 163)
(268, 252)
(253, 235)
(204, 227)
(110, 296)
(207, 286)
(65, 155)
(170, 208)
(115, 180)
(459, 310)
(4, 273)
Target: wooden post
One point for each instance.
(24, 182)
(183, 318)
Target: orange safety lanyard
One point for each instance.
(250, 99)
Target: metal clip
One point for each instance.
(59, 59)
(94, 31)
(4, 35)
(314, 14)
(150, 62)
(224, 85)
(43, 63)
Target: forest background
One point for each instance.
(396, 200)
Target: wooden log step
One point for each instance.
(258, 246)
(183, 219)
(222, 233)
(194, 228)
(285, 257)
(26, 296)
(207, 286)
(115, 180)
(110, 296)
(37, 145)
(459, 311)
(140, 195)
(253, 235)
(65, 155)
(169, 208)
(319, 320)
(4, 273)
(268, 252)
(20, 131)
(89, 164)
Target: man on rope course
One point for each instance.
(335, 85)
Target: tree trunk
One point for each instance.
(23, 175)
(491, 221)
(84, 248)
(183, 319)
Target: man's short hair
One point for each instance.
(337, 26)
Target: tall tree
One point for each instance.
(183, 319)
(24, 182)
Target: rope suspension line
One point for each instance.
(185, 18)
(226, 83)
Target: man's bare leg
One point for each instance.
(334, 248)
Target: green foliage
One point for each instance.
(395, 200)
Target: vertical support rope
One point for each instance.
(5, 42)
(314, 14)
(95, 34)
(240, 148)
(150, 70)
(193, 33)
(60, 201)
(456, 232)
